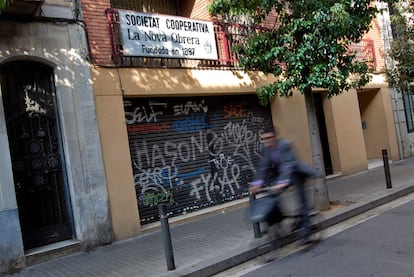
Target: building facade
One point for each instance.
(132, 125)
(52, 180)
(403, 104)
(187, 126)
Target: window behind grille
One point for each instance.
(409, 111)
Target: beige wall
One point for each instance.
(348, 151)
(375, 106)
(117, 161)
(393, 152)
(342, 116)
(109, 84)
(375, 123)
(289, 115)
(174, 82)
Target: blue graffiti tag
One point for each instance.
(193, 123)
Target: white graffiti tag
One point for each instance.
(224, 178)
(222, 161)
(143, 113)
(185, 109)
(156, 179)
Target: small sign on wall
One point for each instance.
(165, 36)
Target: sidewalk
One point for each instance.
(214, 243)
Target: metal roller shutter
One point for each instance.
(193, 152)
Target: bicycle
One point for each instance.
(279, 224)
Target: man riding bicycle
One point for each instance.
(280, 160)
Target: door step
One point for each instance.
(51, 251)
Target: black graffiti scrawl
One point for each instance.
(193, 152)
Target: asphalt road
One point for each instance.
(380, 244)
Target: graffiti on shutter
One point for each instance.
(193, 152)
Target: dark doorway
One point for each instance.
(320, 114)
(32, 128)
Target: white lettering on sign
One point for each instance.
(156, 35)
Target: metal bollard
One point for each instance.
(386, 168)
(256, 226)
(166, 237)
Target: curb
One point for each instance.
(257, 248)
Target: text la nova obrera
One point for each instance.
(157, 35)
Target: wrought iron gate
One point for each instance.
(30, 111)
